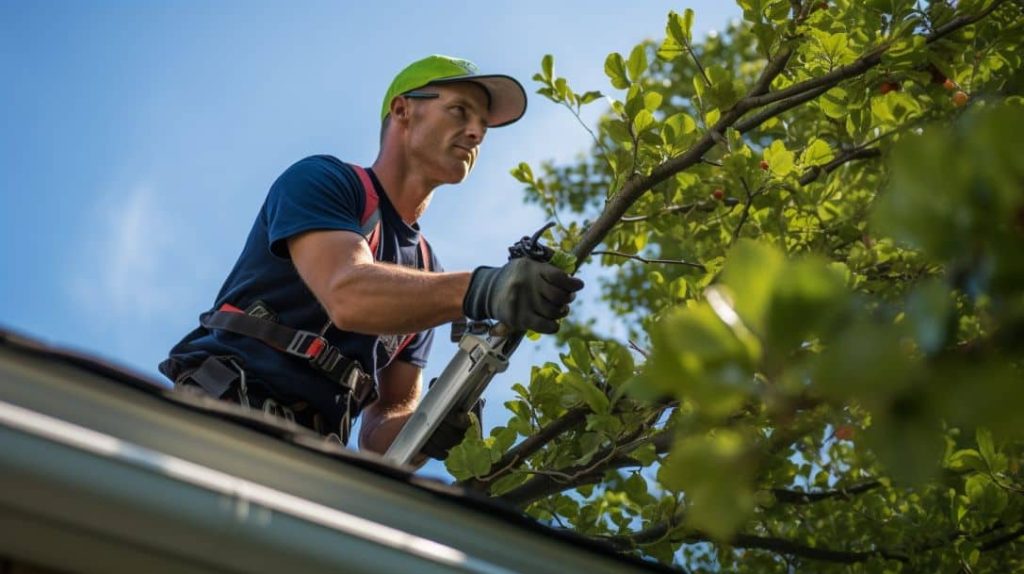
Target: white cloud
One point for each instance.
(124, 258)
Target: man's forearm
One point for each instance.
(382, 298)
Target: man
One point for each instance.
(330, 307)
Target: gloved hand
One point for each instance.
(524, 294)
(450, 433)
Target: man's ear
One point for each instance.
(401, 109)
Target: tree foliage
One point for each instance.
(812, 226)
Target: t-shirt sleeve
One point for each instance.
(418, 350)
(314, 193)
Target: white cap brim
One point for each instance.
(508, 98)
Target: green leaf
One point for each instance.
(507, 483)
(699, 358)
(471, 459)
(591, 96)
(620, 365)
(591, 395)
(749, 273)
(711, 118)
(833, 103)
(652, 100)
(715, 471)
(676, 127)
(780, 160)
(966, 459)
(806, 298)
(986, 446)
(523, 173)
(816, 153)
(547, 65)
(637, 62)
(778, 10)
(679, 28)
(985, 495)
(645, 454)
(563, 260)
(643, 121)
(580, 354)
(615, 69)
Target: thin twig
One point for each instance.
(684, 208)
(746, 210)
(696, 60)
(646, 260)
(530, 445)
(638, 349)
(1002, 540)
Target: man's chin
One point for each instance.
(459, 173)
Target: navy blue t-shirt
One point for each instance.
(316, 193)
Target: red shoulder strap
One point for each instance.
(425, 256)
(371, 213)
(424, 253)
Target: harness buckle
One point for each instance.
(306, 344)
(327, 359)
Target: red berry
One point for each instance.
(887, 87)
(844, 432)
(959, 98)
(764, 165)
(718, 194)
(949, 84)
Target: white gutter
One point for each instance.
(245, 492)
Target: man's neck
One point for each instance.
(408, 193)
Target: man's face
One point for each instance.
(445, 133)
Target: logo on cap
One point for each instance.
(466, 65)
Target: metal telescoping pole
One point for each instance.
(479, 358)
(481, 355)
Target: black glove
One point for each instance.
(453, 429)
(450, 433)
(525, 294)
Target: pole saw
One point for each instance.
(484, 350)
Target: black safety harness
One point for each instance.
(260, 322)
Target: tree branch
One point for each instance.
(1003, 540)
(796, 497)
(783, 546)
(519, 453)
(646, 260)
(757, 97)
(862, 64)
(746, 541)
(815, 172)
(543, 485)
(636, 186)
(745, 125)
(684, 209)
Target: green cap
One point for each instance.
(507, 96)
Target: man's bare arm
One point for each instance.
(399, 392)
(364, 296)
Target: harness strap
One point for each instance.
(370, 219)
(371, 228)
(311, 346)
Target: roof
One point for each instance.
(122, 474)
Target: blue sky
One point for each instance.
(139, 139)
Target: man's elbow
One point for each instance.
(345, 304)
